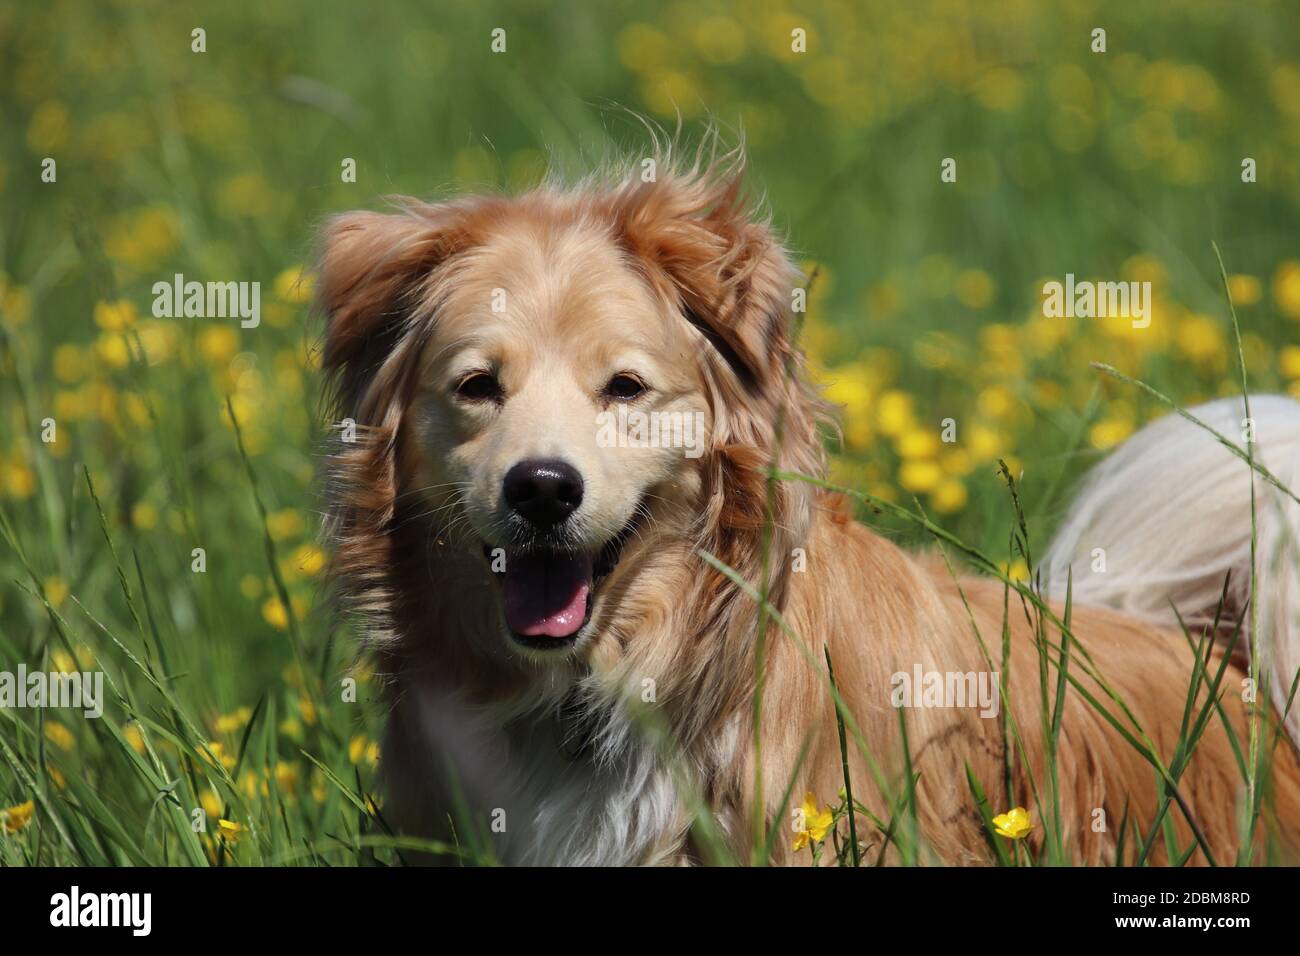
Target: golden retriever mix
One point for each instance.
(549, 573)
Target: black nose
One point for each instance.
(544, 492)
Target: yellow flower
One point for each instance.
(229, 723)
(1201, 339)
(357, 748)
(158, 339)
(1110, 432)
(115, 316)
(218, 755)
(15, 304)
(814, 824)
(894, 413)
(56, 591)
(917, 443)
(63, 662)
(69, 405)
(667, 91)
(847, 385)
(15, 818)
(294, 285)
(19, 480)
(69, 364)
(274, 613)
(229, 830)
(286, 779)
(114, 350)
(1244, 289)
(59, 735)
(144, 516)
(1016, 571)
(306, 561)
(949, 497)
(920, 475)
(1143, 268)
(975, 289)
(284, 524)
(956, 462)
(1288, 361)
(1045, 334)
(996, 401)
(144, 237)
(319, 791)
(1286, 289)
(984, 443)
(218, 343)
(135, 738)
(211, 803)
(1014, 824)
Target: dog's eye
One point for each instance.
(623, 388)
(478, 387)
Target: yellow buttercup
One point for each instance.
(814, 824)
(1014, 824)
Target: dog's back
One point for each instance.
(915, 624)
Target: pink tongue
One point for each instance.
(546, 595)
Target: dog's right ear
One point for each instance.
(374, 270)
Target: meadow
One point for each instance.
(158, 505)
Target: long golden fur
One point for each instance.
(679, 273)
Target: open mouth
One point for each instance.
(548, 594)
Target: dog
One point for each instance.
(573, 630)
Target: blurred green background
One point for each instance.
(219, 165)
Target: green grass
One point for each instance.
(225, 685)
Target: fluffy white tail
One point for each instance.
(1167, 516)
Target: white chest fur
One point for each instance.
(546, 790)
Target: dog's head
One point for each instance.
(555, 385)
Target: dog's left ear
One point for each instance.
(729, 273)
(729, 276)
